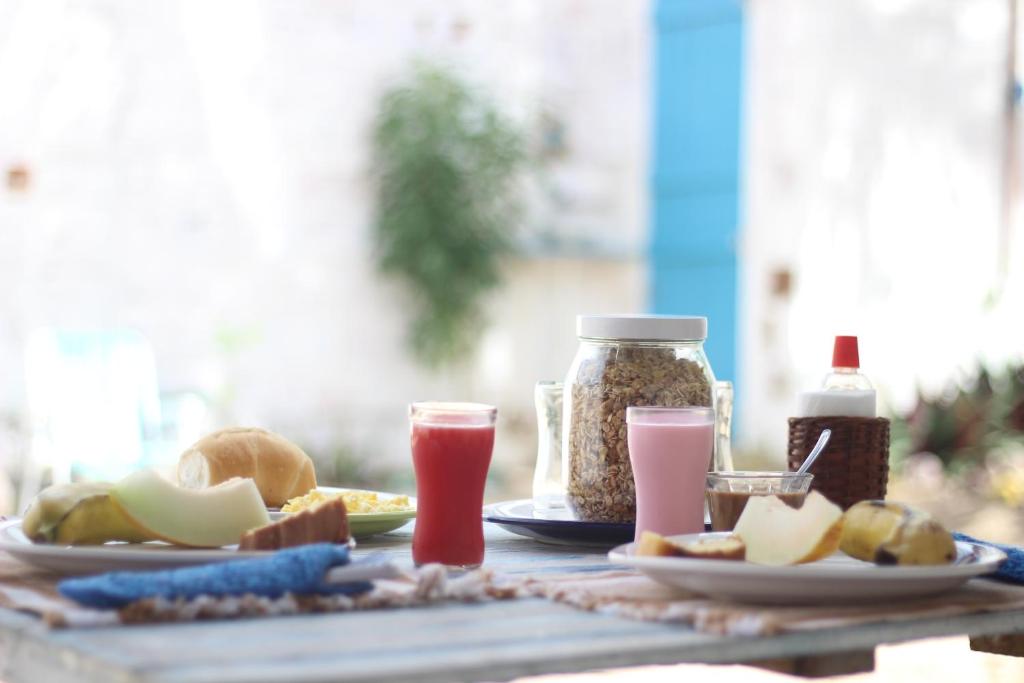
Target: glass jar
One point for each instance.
(622, 361)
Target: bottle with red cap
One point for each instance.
(846, 374)
(845, 391)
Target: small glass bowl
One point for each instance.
(728, 492)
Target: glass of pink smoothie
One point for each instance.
(670, 451)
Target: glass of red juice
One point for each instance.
(451, 451)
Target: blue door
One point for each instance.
(698, 71)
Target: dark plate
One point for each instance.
(555, 526)
(558, 526)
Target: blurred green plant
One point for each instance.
(445, 162)
(971, 423)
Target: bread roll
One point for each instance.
(280, 469)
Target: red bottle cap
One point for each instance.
(844, 353)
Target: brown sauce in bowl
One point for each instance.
(727, 506)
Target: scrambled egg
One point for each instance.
(355, 501)
(1009, 485)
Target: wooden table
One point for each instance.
(490, 641)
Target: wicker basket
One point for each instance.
(855, 464)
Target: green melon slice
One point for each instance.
(201, 518)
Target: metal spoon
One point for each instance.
(826, 434)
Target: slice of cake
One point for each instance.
(323, 523)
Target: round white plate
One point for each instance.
(93, 559)
(836, 579)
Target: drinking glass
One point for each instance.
(451, 452)
(670, 450)
(723, 395)
(548, 489)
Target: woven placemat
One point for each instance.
(621, 593)
(31, 591)
(630, 595)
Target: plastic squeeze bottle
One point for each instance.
(846, 374)
(844, 391)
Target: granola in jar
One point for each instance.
(611, 373)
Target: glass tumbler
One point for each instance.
(548, 488)
(451, 452)
(723, 395)
(670, 450)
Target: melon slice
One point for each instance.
(776, 534)
(201, 518)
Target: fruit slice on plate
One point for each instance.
(776, 534)
(892, 533)
(201, 518)
(81, 513)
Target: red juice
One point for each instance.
(451, 451)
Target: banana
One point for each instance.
(893, 533)
(78, 514)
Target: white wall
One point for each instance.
(199, 172)
(874, 143)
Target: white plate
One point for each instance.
(92, 559)
(836, 579)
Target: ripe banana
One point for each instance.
(893, 533)
(78, 514)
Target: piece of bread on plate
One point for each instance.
(323, 523)
(280, 469)
(724, 548)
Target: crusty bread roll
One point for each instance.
(280, 469)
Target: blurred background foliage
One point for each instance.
(445, 161)
(960, 452)
(974, 420)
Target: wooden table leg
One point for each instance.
(1011, 644)
(821, 666)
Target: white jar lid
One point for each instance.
(643, 327)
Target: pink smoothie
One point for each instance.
(670, 450)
